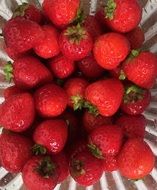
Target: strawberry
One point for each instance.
(104, 96)
(105, 140)
(135, 100)
(75, 42)
(133, 126)
(141, 68)
(110, 49)
(51, 134)
(85, 168)
(62, 67)
(21, 34)
(91, 122)
(40, 173)
(12, 90)
(89, 67)
(122, 15)
(61, 12)
(75, 88)
(136, 160)
(17, 112)
(15, 151)
(110, 164)
(136, 38)
(50, 100)
(48, 47)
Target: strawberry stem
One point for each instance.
(91, 108)
(110, 8)
(20, 11)
(122, 75)
(95, 151)
(79, 18)
(78, 102)
(77, 167)
(39, 150)
(8, 71)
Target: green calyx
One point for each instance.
(91, 108)
(39, 150)
(110, 8)
(20, 11)
(77, 168)
(78, 102)
(134, 53)
(122, 75)
(79, 18)
(95, 151)
(8, 71)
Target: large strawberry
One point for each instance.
(15, 151)
(50, 100)
(17, 112)
(104, 96)
(75, 42)
(110, 49)
(136, 159)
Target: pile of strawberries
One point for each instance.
(81, 86)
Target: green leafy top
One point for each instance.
(8, 71)
(110, 8)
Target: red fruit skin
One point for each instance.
(136, 38)
(133, 126)
(108, 138)
(17, 112)
(91, 122)
(21, 34)
(110, 164)
(89, 67)
(62, 67)
(52, 134)
(106, 95)
(92, 169)
(48, 47)
(15, 151)
(10, 91)
(110, 49)
(125, 21)
(61, 12)
(138, 107)
(75, 51)
(33, 180)
(50, 100)
(142, 70)
(136, 159)
(29, 73)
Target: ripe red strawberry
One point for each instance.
(105, 140)
(136, 38)
(61, 12)
(52, 134)
(105, 96)
(62, 67)
(122, 15)
(22, 34)
(75, 42)
(110, 49)
(10, 91)
(50, 100)
(89, 67)
(15, 151)
(85, 168)
(75, 88)
(17, 112)
(48, 47)
(141, 68)
(135, 100)
(133, 126)
(110, 164)
(91, 122)
(136, 160)
(40, 173)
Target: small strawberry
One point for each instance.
(104, 96)
(17, 112)
(50, 100)
(40, 173)
(10, 91)
(133, 126)
(15, 151)
(110, 164)
(75, 42)
(62, 67)
(141, 68)
(89, 67)
(21, 34)
(136, 159)
(85, 168)
(52, 134)
(48, 47)
(105, 140)
(110, 49)
(122, 15)
(135, 100)
(61, 12)
(75, 88)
